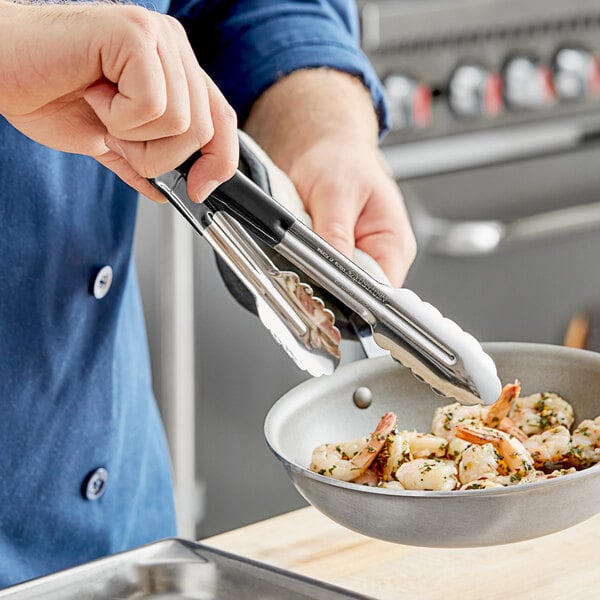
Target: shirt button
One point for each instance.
(94, 485)
(102, 282)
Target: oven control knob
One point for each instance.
(475, 91)
(576, 74)
(528, 83)
(409, 102)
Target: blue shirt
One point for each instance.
(85, 469)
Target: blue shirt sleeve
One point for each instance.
(247, 45)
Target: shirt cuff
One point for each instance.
(244, 56)
(242, 91)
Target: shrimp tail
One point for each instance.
(500, 409)
(366, 456)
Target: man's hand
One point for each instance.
(118, 83)
(320, 127)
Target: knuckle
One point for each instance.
(337, 233)
(204, 132)
(146, 164)
(229, 115)
(221, 168)
(179, 123)
(175, 24)
(151, 107)
(142, 22)
(336, 229)
(228, 168)
(148, 169)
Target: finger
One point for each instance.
(135, 96)
(152, 158)
(335, 208)
(383, 231)
(220, 156)
(118, 165)
(175, 117)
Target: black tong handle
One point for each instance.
(244, 200)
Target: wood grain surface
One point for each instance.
(564, 565)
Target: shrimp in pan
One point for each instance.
(347, 461)
(515, 440)
(502, 406)
(585, 443)
(550, 446)
(424, 445)
(447, 418)
(497, 414)
(405, 446)
(394, 454)
(515, 456)
(428, 474)
(476, 462)
(538, 412)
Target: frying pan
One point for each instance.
(323, 410)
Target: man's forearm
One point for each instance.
(307, 104)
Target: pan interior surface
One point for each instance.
(322, 411)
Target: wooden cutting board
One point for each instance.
(564, 565)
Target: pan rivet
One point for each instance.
(362, 397)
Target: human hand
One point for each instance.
(118, 83)
(354, 202)
(319, 126)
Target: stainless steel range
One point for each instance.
(496, 109)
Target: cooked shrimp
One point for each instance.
(455, 449)
(464, 451)
(500, 409)
(446, 418)
(369, 477)
(424, 445)
(405, 446)
(554, 474)
(348, 460)
(428, 474)
(392, 485)
(538, 412)
(477, 461)
(513, 453)
(497, 414)
(552, 445)
(509, 426)
(489, 480)
(585, 443)
(395, 452)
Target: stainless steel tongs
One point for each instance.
(435, 348)
(296, 318)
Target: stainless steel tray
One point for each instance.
(174, 568)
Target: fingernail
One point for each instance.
(208, 188)
(114, 145)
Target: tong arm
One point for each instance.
(435, 348)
